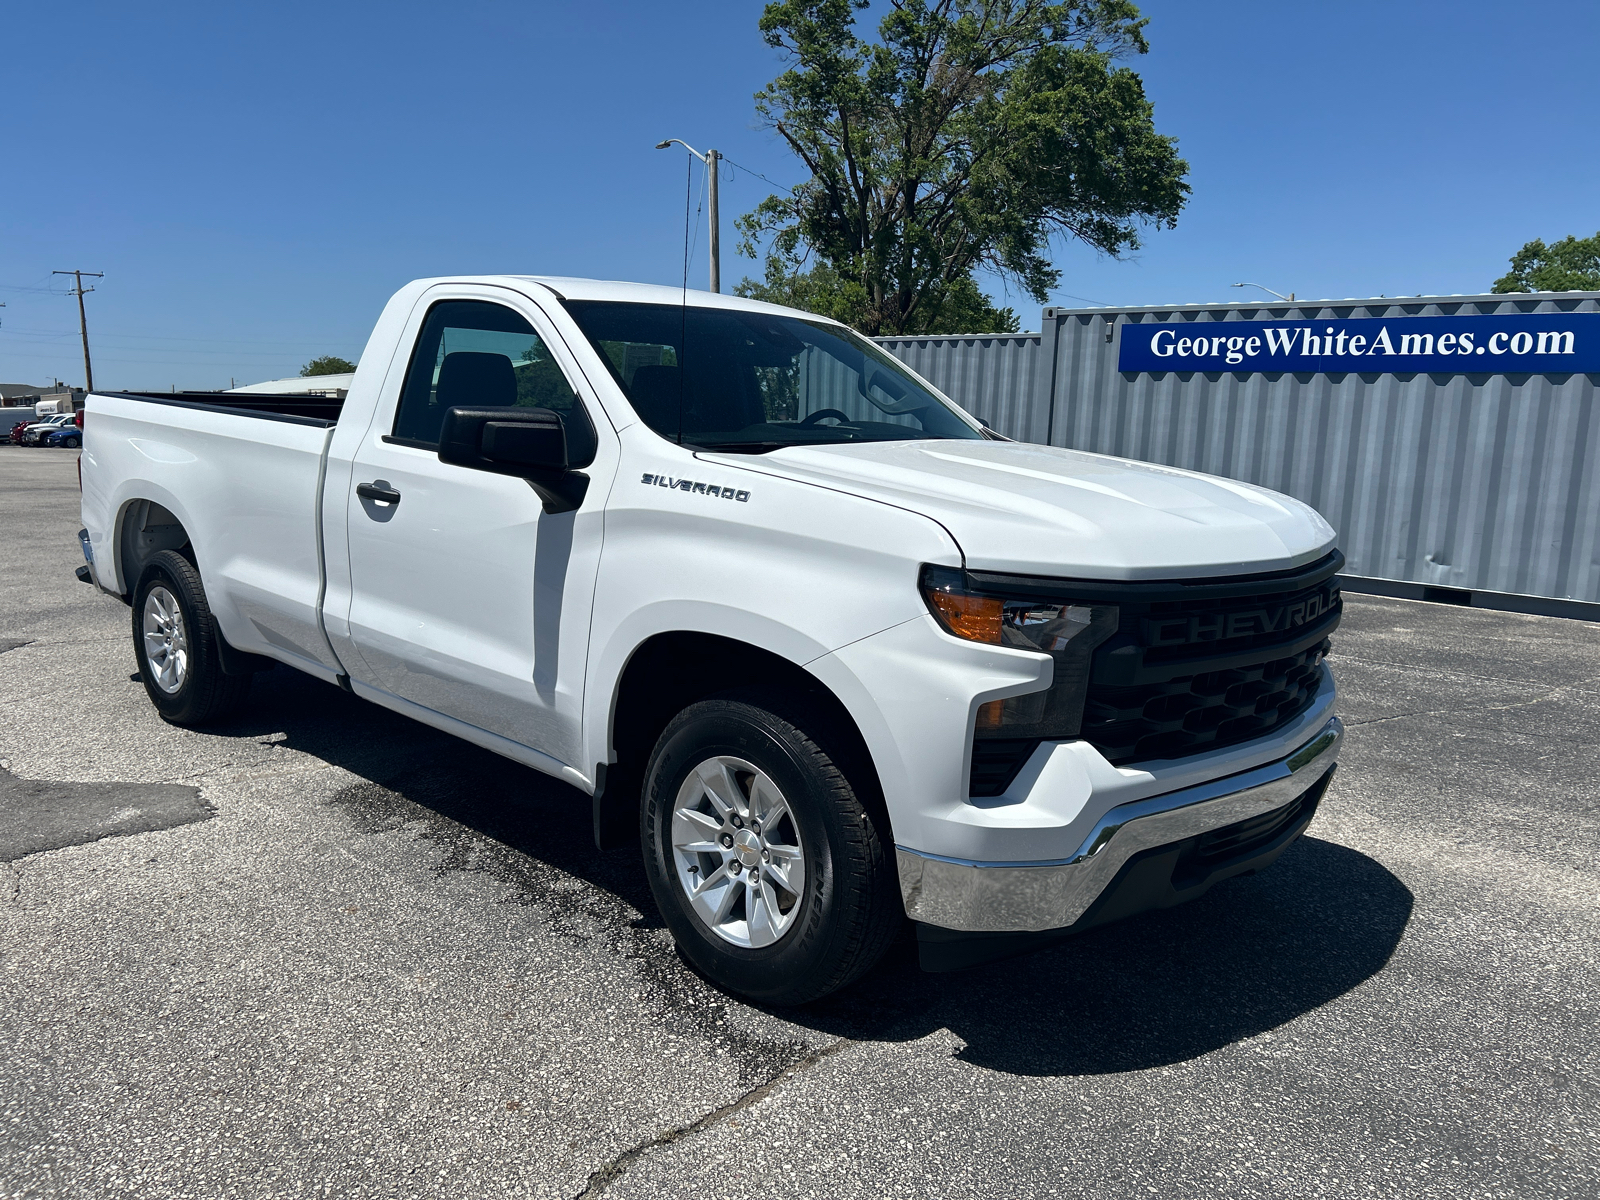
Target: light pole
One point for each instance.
(710, 158)
(1289, 299)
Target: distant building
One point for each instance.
(48, 398)
(22, 393)
(335, 386)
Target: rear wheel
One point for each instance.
(71, 443)
(175, 641)
(772, 875)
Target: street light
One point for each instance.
(710, 158)
(1289, 299)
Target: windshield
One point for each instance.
(748, 381)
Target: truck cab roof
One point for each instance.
(572, 288)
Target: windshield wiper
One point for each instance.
(742, 447)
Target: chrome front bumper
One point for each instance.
(1033, 896)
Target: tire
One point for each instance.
(815, 921)
(71, 443)
(179, 662)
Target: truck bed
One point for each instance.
(247, 492)
(299, 408)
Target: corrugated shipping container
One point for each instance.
(995, 375)
(1483, 482)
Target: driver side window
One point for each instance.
(472, 353)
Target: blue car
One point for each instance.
(69, 436)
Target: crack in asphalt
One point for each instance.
(14, 643)
(1339, 658)
(1551, 694)
(609, 1172)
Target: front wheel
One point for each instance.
(772, 875)
(175, 641)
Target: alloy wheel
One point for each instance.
(737, 852)
(166, 641)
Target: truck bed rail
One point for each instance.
(298, 409)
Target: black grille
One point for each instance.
(1193, 666)
(1193, 713)
(1231, 661)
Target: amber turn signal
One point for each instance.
(991, 716)
(976, 618)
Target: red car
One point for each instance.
(16, 432)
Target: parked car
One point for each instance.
(69, 436)
(831, 651)
(15, 437)
(34, 434)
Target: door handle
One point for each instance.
(372, 491)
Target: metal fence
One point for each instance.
(1487, 484)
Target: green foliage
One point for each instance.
(1570, 265)
(966, 137)
(540, 383)
(328, 364)
(956, 307)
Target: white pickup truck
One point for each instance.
(835, 652)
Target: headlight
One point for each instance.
(1066, 630)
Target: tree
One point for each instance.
(328, 364)
(1571, 265)
(960, 307)
(540, 381)
(968, 136)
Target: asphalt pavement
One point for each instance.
(324, 951)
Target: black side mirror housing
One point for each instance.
(508, 441)
(529, 443)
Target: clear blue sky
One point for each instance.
(256, 180)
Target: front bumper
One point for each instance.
(967, 896)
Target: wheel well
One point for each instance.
(147, 528)
(671, 671)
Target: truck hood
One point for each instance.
(1040, 510)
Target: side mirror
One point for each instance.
(529, 443)
(508, 441)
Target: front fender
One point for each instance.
(794, 569)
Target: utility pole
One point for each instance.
(83, 320)
(711, 158)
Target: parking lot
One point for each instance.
(324, 951)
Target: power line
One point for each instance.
(265, 363)
(110, 344)
(115, 357)
(757, 174)
(32, 287)
(698, 208)
(160, 337)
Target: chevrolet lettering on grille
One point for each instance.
(1187, 629)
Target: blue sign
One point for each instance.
(1535, 343)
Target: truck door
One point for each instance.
(466, 597)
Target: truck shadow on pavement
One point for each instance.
(1163, 988)
(1240, 962)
